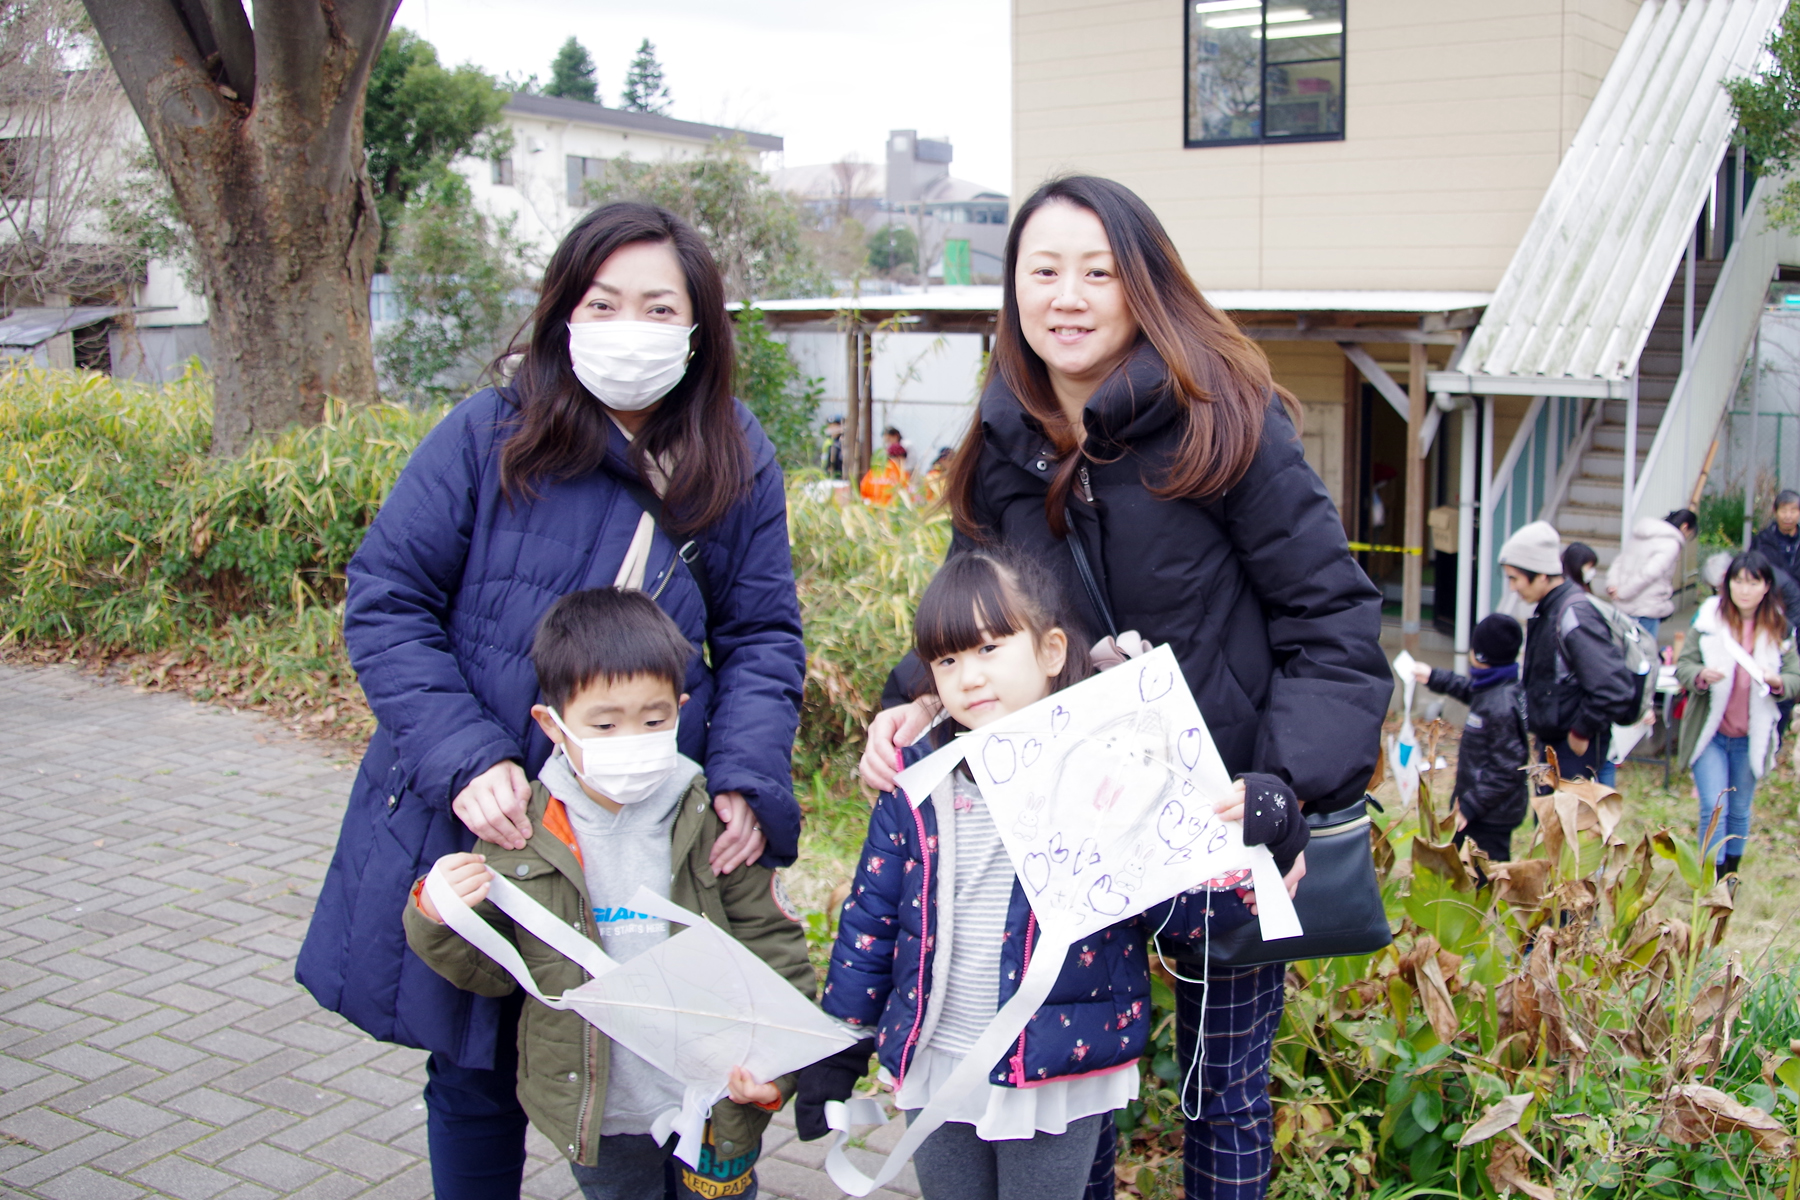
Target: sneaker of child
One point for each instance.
(615, 808)
(1491, 794)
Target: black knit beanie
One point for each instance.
(1496, 640)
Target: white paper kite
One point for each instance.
(693, 1007)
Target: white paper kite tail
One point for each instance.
(1046, 962)
(527, 912)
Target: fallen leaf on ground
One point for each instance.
(1694, 1113)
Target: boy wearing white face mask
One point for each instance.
(615, 808)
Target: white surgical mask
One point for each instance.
(625, 769)
(1587, 573)
(628, 365)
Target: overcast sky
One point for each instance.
(829, 76)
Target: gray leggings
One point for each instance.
(955, 1164)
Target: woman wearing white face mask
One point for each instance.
(616, 455)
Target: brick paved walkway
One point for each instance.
(162, 859)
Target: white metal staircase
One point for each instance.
(1590, 510)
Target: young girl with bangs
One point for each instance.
(1733, 743)
(937, 932)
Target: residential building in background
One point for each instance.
(914, 189)
(562, 146)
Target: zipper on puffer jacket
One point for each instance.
(1087, 491)
(590, 1065)
(924, 934)
(1018, 1058)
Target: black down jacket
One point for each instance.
(1275, 625)
(1575, 678)
(1490, 764)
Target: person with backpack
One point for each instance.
(1491, 795)
(1576, 679)
(1740, 658)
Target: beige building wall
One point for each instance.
(1456, 113)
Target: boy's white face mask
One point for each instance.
(625, 769)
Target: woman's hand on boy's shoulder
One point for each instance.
(467, 875)
(742, 841)
(493, 805)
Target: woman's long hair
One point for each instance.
(1221, 377)
(1771, 617)
(562, 431)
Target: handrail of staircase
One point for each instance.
(1560, 489)
(1709, 380)
(1496, 497)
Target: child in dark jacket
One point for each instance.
(937, 931)
(1491, 789)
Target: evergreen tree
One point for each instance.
(645, 90)
(572, 74)
(419, 117)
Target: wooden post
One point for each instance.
(866, 389)
(852, 406)
(1412, 564)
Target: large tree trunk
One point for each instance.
(261, 137)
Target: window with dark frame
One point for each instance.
(503, 171)
(1264, 71)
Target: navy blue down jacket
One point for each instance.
(444, 597)
(1097, 1016)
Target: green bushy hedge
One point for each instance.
(120, 535)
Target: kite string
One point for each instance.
(1188, 1077)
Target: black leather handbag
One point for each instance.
(1339, 898)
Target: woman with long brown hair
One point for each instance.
(1130, 435)
(616, 456)
(1740, 657)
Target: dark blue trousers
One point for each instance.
(473, 1122)
(1228, 1148)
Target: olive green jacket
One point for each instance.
(563, 1060)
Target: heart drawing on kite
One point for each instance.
(1155, 682)
(1103, 900)
(1059, 720)
(1000, 758)
(1030, 753)
(1187, 745)
(1037, 872)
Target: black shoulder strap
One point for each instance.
(688, 551)
(1085, 569)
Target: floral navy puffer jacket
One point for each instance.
(1097, 1017)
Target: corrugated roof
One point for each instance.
(560, 108)
(1585, 284)
(34, 326)
(986, 298)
